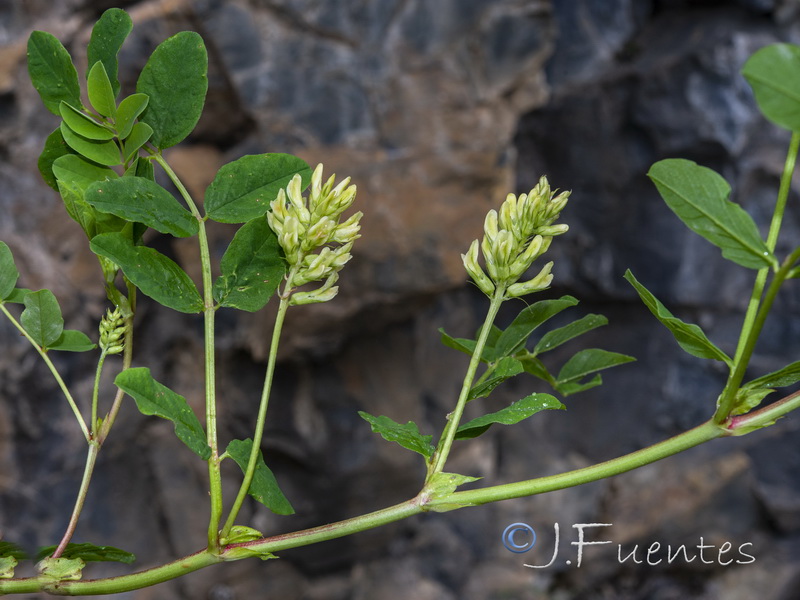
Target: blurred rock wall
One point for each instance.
(437, 109)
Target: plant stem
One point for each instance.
(96, 391)
(127, 360)
(448, 435)
(91, 458)
(53, 370)
(741, 359)
(214, 475)
(262, 409)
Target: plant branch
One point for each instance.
(76, 411)
(209, 309)
(91, 459)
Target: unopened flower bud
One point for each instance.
(112, 332)
(537, 284)
(474, 270)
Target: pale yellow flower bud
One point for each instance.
(537, 284)
(470, 260)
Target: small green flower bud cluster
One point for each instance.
(112, 332)
(316, 245)
(514, 238)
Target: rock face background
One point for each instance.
(437, 110)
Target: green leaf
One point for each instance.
(90, 553)
(42, 318)
(73, 341)
(153, 273)
(52, 72)
(83, 124)
(101, 95)
(506, 368)
(788, 375)
(104, 153)
(8, 272)
(518, 411)
(76, 170)
(175, 78)
(699, 197)
(244, 188)
(12, 550)
(534, 366)
(128, 111)
(773, 74)
(139, 135)
(468, 346)
(690, 337)
(441, 486)
(252, 268)
(60, 569)
(108, 35)
(584, 363)
(240, 534)
(515, 335)
(17, 296)
(155, 399)
(264, 487)
(54, 148)
(408, 435)
(557, 337)
(142, 201)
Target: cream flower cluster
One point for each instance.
(516, 237)
(112, 332)
(316, 245)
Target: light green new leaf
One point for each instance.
(515, 335)
(773, 74)
(252, 268)
(154, 399)
(585, 363)
(138, 137)
(73, 341)
(506, 368)
(101, 94)
(128, 111)
(54, 148)
(408, 435)
(102, 152)
(699, 197)
(518, 411)
(244, 188)
(175, 78)
(108, 35)
(42, 318)
(264, 487)
(142, 201)
(441, 486)
(52, 72)
(690, 337)
(153, 273)
(557, 337)
(83, 124)
(8, 272)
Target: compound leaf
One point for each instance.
(584, 363)
(527, 321)
(699, 197)
(408, 435)
(176, 80)
(108, 35)
(689, 336)
(264, 487)
(252, 267)
(52, 72)
(506, 368)
(518, 411)
(89, 553)
(140, 200)
(83, 124)
(772, 73)
(153, 273)
(154, 399)
(8, 272)
(101, 152)
(42, 318)
(244, 188)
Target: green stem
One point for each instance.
(214, 475)
(746, 338)
(91, 459)
(446, 441)
(679, 443)
(262, 409)
(96, 390)
(728, 396)
(53, 370)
